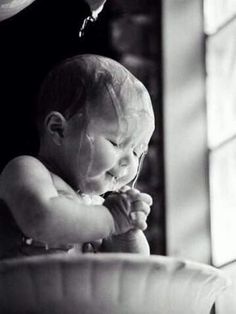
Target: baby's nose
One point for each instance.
(125, 160)
(119, 172)
(121, 168)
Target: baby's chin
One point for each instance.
(98, 188)
(102, 184)
(95, 188)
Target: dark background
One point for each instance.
(45, 33)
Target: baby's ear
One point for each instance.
(55, 124)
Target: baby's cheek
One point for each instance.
(131, 173)
(104, 156)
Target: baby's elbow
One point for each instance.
(33, 218)
(35, 225)
(46, 226)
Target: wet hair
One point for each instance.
(80, 80)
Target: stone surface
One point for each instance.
(226, 303)
(223, 203)
(217, 13)
(221, 77)
(108, 283)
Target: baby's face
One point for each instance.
(105, 155)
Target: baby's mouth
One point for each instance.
(112, 176)
(113, 179)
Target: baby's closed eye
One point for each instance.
(113, 143)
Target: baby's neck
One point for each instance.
(47, 163)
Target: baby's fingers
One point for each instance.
(125, 188)
(140, 206)
(135, 194)
(139, 220)
(146, 198)
(140, 211)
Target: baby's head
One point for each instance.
(96, 120)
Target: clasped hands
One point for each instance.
(129, 209)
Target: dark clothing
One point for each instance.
(32, 42)
(10, 234)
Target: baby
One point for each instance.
(95, 120)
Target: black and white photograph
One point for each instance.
(117, 157)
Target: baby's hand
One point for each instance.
(140, 206)
(133, 241)
(129, 209)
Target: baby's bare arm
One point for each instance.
(133, 241)
(46, 215)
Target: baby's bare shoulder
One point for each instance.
(22, 165)
(23, 171)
